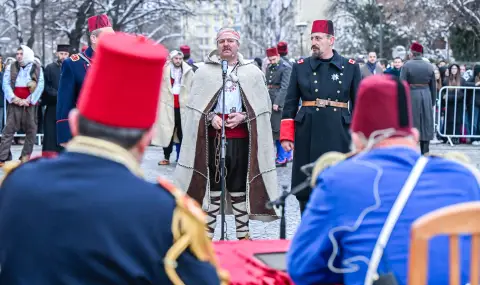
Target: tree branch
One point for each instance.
(160, 40)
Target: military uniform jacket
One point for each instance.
(319, 130)
(71, 81)
(92, 220)
(278, 78)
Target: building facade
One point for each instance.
(200, 29)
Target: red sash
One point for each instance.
(21, 92)
(239, 132)
(176, 100)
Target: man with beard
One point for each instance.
(420, 75)
(326, 83)
(251, 179)
(49, 98)
(73, 73)
(177, 79)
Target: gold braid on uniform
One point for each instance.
(325, 161)
(8, 168)
(188, 228)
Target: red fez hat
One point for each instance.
(323, 26)
(98, 22)
(282, 47)
(383, 102)
(128, 103)
(272, 51)
(416, 47)
(185, 49)
(84, 48)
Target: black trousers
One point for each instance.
(303, 205)
(178, 128)
(50, 130)
(425, 147)
(236, 162)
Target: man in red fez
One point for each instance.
(94, 219)
(354, 193)
(187, 57)
(420, 76)
(283, 51)
(74, 70)
(278, 78)
(326, 83)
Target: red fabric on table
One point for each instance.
(237, 257)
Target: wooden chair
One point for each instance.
(453, 221)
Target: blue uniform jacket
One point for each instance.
(73, 73)
(81, 219)
(345, 190)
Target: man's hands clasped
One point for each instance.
(21, 102)
(233, 120)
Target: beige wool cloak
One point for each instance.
(191, 173)
(165, 122)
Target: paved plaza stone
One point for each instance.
(260, 230)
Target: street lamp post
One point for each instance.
(43, 32)
(380, 9)
(301, 29)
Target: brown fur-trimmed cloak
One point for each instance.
(192, 174)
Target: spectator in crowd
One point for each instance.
(371, 67)
(395, 68)
(454, 98)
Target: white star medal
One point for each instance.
(335, 77)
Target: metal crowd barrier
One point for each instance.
(17, 135)
(456, 117)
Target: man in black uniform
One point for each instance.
(49, 98)
(327, 84)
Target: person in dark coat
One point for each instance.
(326, 83)
(49, 99)
(73, 73)
(93, 219)
(420, 75)
(278, 78)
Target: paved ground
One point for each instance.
(261, 230)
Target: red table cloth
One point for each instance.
(238, 258)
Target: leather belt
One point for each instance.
(419, 85)
(273, 86)
(322, 103)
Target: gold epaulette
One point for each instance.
(189, 231)
(9, 167)
(453, 155)
(325, 161)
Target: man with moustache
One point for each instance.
(176, 82)
(49, 98)
(327, 84)
(251, 179)
(74, 70)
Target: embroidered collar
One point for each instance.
(107, 150)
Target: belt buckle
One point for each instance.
(321, 103)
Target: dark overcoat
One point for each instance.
(320, 129)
